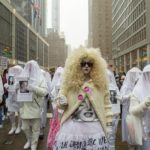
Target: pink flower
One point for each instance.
(87, 90)
(80, 97)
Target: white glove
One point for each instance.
(141, 108)
(31, 88)
(127, 96)
(147, 102)
(16, 86)
(119, 98)
(62, 101)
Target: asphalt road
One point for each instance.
(16, 142)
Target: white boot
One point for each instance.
(18, 130)
(27, 145)
(13, 129)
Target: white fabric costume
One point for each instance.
(31, 111)
(46, 98)
(131, 78)
(11, 102)
(140, 106)
(56, 82)
(113, 88)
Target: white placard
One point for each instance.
(23, 94)
(115, 103)
(11, 82)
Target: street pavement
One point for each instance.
(16, 142)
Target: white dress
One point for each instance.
(82, 131)
(11, 103)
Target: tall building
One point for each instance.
(130, 33)
(19, 41)
(100, 26)
(56, 15)
(57, 48)
(34, 11)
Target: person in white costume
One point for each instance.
(46, 98)
(56, 82)
(31, 111)
(140, 108)
(129, 83)
(11, 102)
(114, 93)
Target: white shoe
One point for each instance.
(18, 130)
(1, 126)
(27, 145)
(33, 148)
(12, 130)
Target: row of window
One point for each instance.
(130, 18)
(20, 39)
(132, 29)
(116, 6)
(142, 60)
(138, 37)
(5, 32)
(120, 11)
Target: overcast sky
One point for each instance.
(73, 20)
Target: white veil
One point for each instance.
(48, 79)
(56, 82)
(131, 78)
(112, 81)
(33, 72)
(142, 91)
(16, 71)
(57, 79)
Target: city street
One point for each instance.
(16, 142)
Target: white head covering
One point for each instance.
(57, 79)
(130, 81)
(33, 72)
(15, 71)
(142, 91)
(112, 81)
(48, 79)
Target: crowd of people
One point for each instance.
(88, 100)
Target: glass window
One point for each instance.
(5, 32)
(143, 57)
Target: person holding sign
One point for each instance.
(139, 109)
(84, 97)
(129, 83)
(31, 109)
(11, 101)
(114, 92)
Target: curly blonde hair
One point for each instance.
(73, 77)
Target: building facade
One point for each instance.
(57, 48)
(130, 33)
(34, 11)
(56, 15)
(100, 26)
(18, 40)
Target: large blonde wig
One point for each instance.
(73, 76)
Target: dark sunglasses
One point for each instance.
(89, 64)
